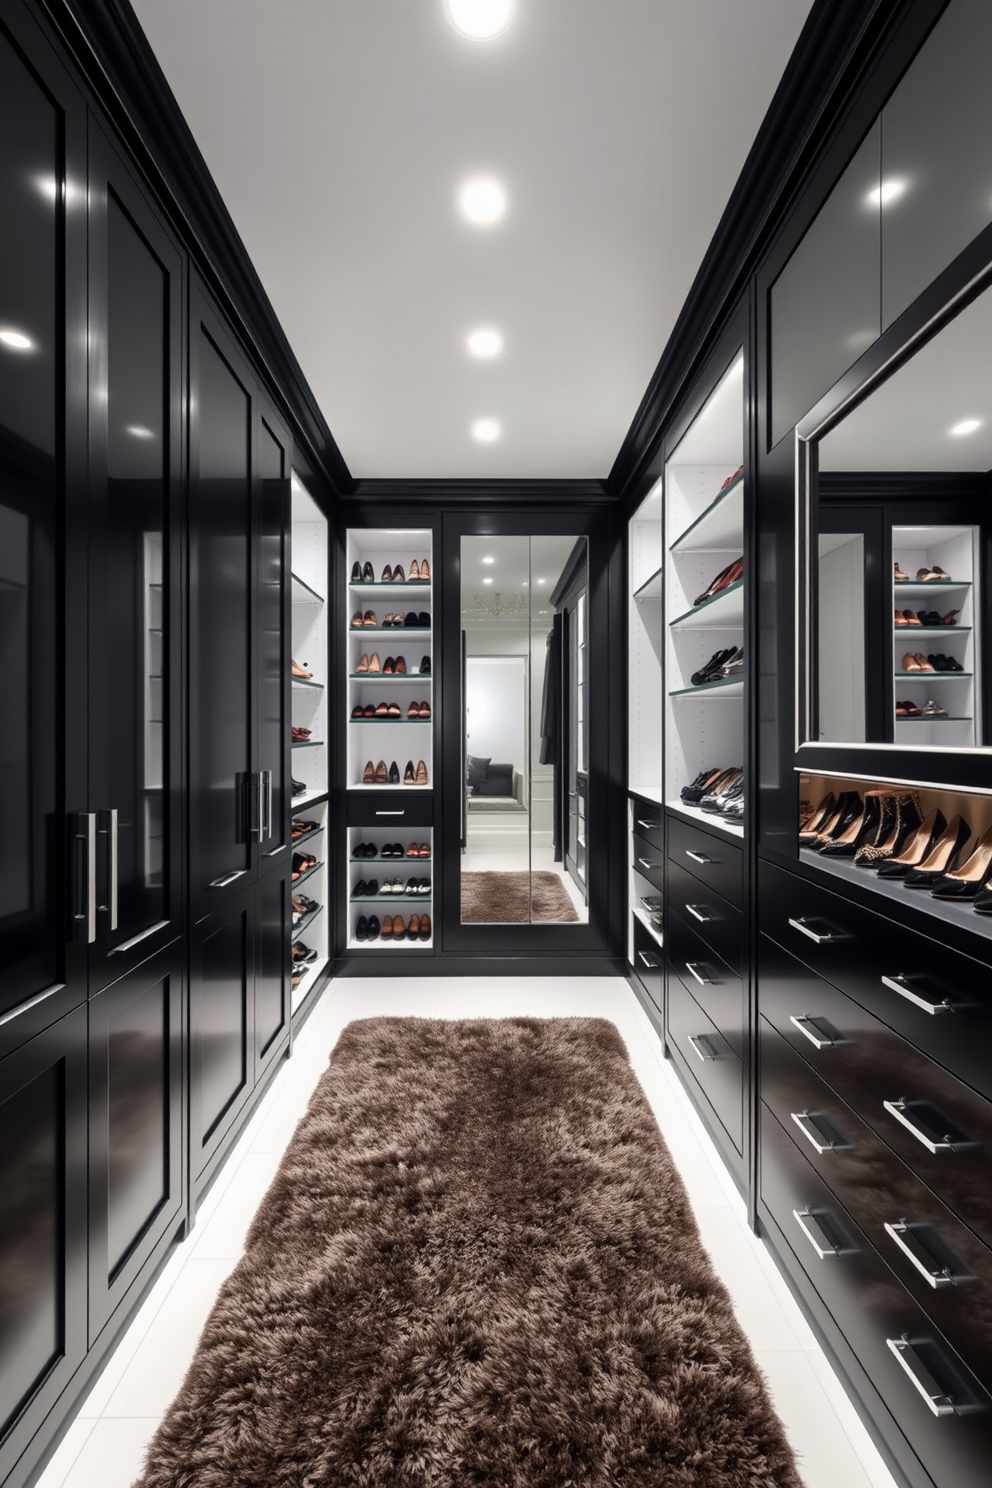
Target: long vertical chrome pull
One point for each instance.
(108, 829)
(267, 778)
(259, 828)
(919, 1374)
(84, 837)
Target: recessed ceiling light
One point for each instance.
(482, 200)
(886, 192)
(485, 430)
(480, 19)
(485, 342)
(16, 340)
(487, 580)
(138, 431)
(967, 426)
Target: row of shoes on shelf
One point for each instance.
(923, 575)
(390, 710)
(302, 863)
(915, 661)
(393, 666)
(298, 787)
(719, 791)
(301, 735)
(886, 830)
(369, 888)
(726, 663)
(393, 928)
(301, 958)
(723, 580)
(302, 906)
(364, 573)
(300, 828)
(906, 708)
(380, 775)
(930, 618)
(412, 620)
(392, 850)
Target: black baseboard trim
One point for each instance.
(395, 964)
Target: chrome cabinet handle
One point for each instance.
(818, 1140)
(24, 1007)
(652, 826)
(108, 829)
(901, 1109)
(804, 1022)
(647, 863)
(258, 785)
(85, 833)
(222, 883)
(267, 803)
(704, 981)
(129, 945)
(390, 813)
(899, 984)
(804, 929)
(649, 959)
(935, 1276)
(815, 1233)
(707, 1050)
(704, 919)
(697, 857)
(920, 1376)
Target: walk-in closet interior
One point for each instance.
(717, 722)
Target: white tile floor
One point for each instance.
(103, 1447)
(505, 846)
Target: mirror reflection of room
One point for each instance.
(901, 509)
(523, 618)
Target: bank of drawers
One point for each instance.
(649, 965)
(715, 861)
(712, 1064)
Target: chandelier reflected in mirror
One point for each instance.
(511, 605)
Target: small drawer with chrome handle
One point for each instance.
(702, 1046)
(698, 857)
(650, 864)
(648, 824)
(702, 913)
(813, 1228)
(909, 1238)
(919, 1375)
(807, 1024)
(901, 984)
(693, 968)
(928, 1126)
(819, 937)
(819, 1132)
(649, 960)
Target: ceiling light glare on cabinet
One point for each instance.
(485, 430)
(489, 559)
(887, 192)
(138, 431)
(966, 426)
(480, 19)
(482, 201)
(485, 342)
(16, 340)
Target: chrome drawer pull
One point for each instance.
(804, 929)
(23, 1007)
(705, 1052)
(704, 919)
(815, 1233)
(649, 959)
(222, 883)
(898, 984)
(129, 945)
(652, 826)
(901, 1111)
(938, 1276)
(391, 813)
(704, 981)
(804, 1022)
(919, 1374)
(697, 857)
(646, 863)
(806, 1122)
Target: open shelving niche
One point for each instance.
(401, 739)
(645, 539)
(955, 550)
(704, 533)
(309, 696)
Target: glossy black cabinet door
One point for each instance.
(221, 1029)
(135, 490)
(136, 1050)
(42, 1227)
(225, 809)
(273, 628)
(273, 926)
(46, 906)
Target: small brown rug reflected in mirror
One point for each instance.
(519, 898)
(476, 1266)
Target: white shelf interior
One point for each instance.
(955, 550)
(382, 870)
(645, 648)
(316, 935)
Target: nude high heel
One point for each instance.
(917, 847)
(943, 857)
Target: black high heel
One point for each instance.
(943, 859)
(859, 831)
(917, 848)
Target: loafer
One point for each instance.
(362, 928)
(374, 927)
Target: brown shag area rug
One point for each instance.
(475, 1266)
(515, 898)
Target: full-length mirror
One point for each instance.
(524, 729)
(900, 529)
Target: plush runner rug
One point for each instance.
(475, 1266)
(515, 898)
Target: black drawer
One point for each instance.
(893, 1208)
(649, 964)
(935, 997)
(870, 1307)
(648, 823)
(412, 807)
(937, 1125)
(648, 860)
(715, 921)
(717, 989)
(716, 862)
(711, 1061)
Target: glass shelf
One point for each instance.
(919, 587)
(723, 686)
(391, 631)
(387, 589)
(303, 594)
(720, 527)
(295, 882)
(421, 678)
(304, 682)
(651, 588)
(390, 720)
(931, 676)
(307, 743)
(307, 919)
(723, 611)
(933, 718)
(306, 983)
(930, 630)
(305, 837)
(412, 899)
(392, 862)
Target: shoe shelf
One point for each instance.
(728, 687)
(302, 593)
(411, 899)
(308, 798)
(724, 611)
(919, 590)
(932, 676)
(381, 591)
(391, 632)
(408, 864)
(308, 709)
(301, 684)
(307, 873)
(387, 679)
(935, 718)
(650, 589)
(302, 988)
(944, 632)
(641, 914)
(392, 722)
(939, 911)
(307, 920)
(306, 837)
(955, 550)
(705, 818)
(307, 744)
(719, 527)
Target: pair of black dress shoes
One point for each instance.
(726, 663)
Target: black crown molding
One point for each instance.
(109, 47)
(902, 485)
(838, 47)
(472, 493)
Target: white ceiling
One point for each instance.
(338, 132)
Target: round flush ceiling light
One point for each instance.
(16, 340)
(485, 430)
(966, 426)
(485, 342)
(482, 201)
(480, 19)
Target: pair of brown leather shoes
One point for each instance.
(418, 928)
(380, 775)
(416, 776)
